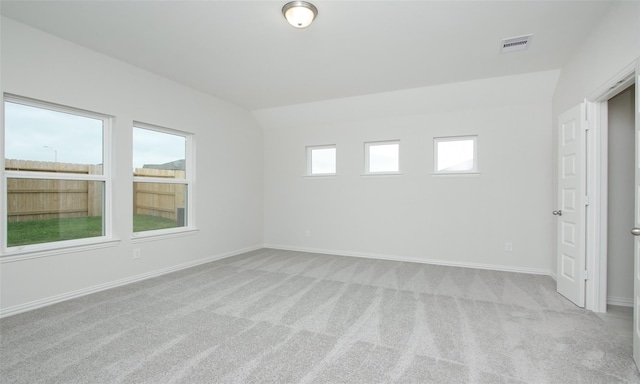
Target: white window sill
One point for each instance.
(321, 176)
(456, 174)
(141, 237)
(381, 174)
(36, 251)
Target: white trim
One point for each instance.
(597, 157)
(440, 139)
(159, 180)
(107, 171)
(54, 176)
(321, 176)
(188, 181)
(597, 190)
(620, 301)
(3, 183)
(29, 251)
(161, 234)
(191, 166)
(456, 174)
(616, 84)
(367, 255)
(12, 98)
(13, 310)
(382, 174)
(161, 129)
(61, 247)
(309, 154)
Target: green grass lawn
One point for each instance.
(49, 230)
(148, 222)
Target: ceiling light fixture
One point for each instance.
(299, 14)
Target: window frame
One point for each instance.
(439, 139)
(188, 181)
(309, 151)
(367, 157)
(55, 247)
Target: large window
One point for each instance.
(162, 176)
(456, 154)
(382, 157)
(55, 174)
(321, 160)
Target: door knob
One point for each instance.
(635, 231)
(559, 213)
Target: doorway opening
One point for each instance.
(620, 197)
(606, 247)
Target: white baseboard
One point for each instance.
(620, 301)
(492, 267)
(4, 312)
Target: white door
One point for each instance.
(571, 208)
(636, 230)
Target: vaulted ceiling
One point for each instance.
(246, 53)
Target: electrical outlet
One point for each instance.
(136, 253)
(307, 233)
(508, 247)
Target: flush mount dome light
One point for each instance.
(299, 14)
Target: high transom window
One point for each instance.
(321, 160)
(382, 157)
(456, 154)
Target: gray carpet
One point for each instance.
(272, 316)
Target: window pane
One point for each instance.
(45, 210)
(323, 160)
(158, 150)
(159, 206)
(384, 158)
(38, 139)
(455, 155)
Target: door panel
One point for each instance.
(571, 215)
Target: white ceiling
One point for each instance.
(245, 52)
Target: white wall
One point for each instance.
(612, 45)
(620, 197)
(417, 216)
(229, 171)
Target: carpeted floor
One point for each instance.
(273, 316)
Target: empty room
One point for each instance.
(320, 192)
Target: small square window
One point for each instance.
(382, 157)
(321, 160)
(456, 154)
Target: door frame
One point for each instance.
(597, 185)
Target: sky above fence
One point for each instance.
(43, 135)
(39, 134)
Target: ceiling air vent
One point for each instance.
(517, 43)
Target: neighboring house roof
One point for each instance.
(176, 165)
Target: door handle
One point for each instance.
(559, 213)
(635, 231)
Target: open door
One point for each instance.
(636, 230)
(571, 205)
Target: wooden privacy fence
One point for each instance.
(36, 199)
(158, 199)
